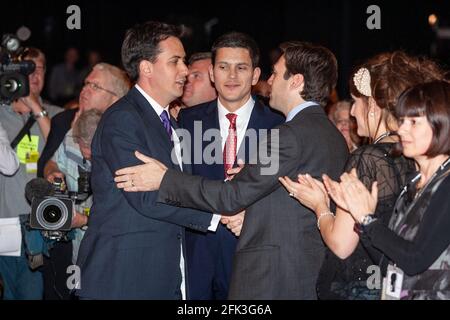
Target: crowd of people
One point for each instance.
(211, 183)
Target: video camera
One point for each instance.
(52, 206)
(14, 71)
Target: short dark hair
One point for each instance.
(237, 40)
(142, 43)
(34, 53)
(197, 56)
(317, 64)
(431, 99)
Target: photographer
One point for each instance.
(102, 87)
(83, 133)
(19, 281)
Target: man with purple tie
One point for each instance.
(133, 248)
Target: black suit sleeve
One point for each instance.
(59, 126)
(432, 238)
(118, 144)
(254, 182)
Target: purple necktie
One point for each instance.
(166, 122)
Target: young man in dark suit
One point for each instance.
(133, 247)
(234, 69)
(280, 251)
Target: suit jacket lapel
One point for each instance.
(152, 120)
(211, 121)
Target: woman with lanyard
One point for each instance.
(417, 241)
(375, 88)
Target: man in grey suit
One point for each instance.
(280, 250)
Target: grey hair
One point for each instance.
(338, 106)
(85, 126)
(120, 83)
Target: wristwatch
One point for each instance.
(364, 223)
(41, 114)
(367, 219)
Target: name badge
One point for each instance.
(28, 152)
(392, 283)
(31, 160)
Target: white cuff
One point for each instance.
(214, 222)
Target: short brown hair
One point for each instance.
(142, 43)
(237, 40)
(317, 64)
(197, 56)
(34, 53)
(432, 100)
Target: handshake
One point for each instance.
(234, 223)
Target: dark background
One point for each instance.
(339, 25)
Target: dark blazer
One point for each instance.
(132, 247)
(210, 256)
(280, 250)
(60, 125)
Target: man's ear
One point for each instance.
(211, 72)
(297, 82)
(256, 75)
(145, 68)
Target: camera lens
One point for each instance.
(52, 214)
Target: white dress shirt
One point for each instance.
(242, 119)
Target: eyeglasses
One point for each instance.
(96, 87)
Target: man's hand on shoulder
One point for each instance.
(144, 177)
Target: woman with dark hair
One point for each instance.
(417, 240)
(375, 88)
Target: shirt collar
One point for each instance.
(243, 112)
(299, 108)
(155, 105)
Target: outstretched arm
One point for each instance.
(116, 145)
(417, 255)
(251, 184)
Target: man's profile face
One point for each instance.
(85, 150)
(233, 75)
(198, 88)
(169, 71)
(279, 86)
(91, 96)
(36, 79)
